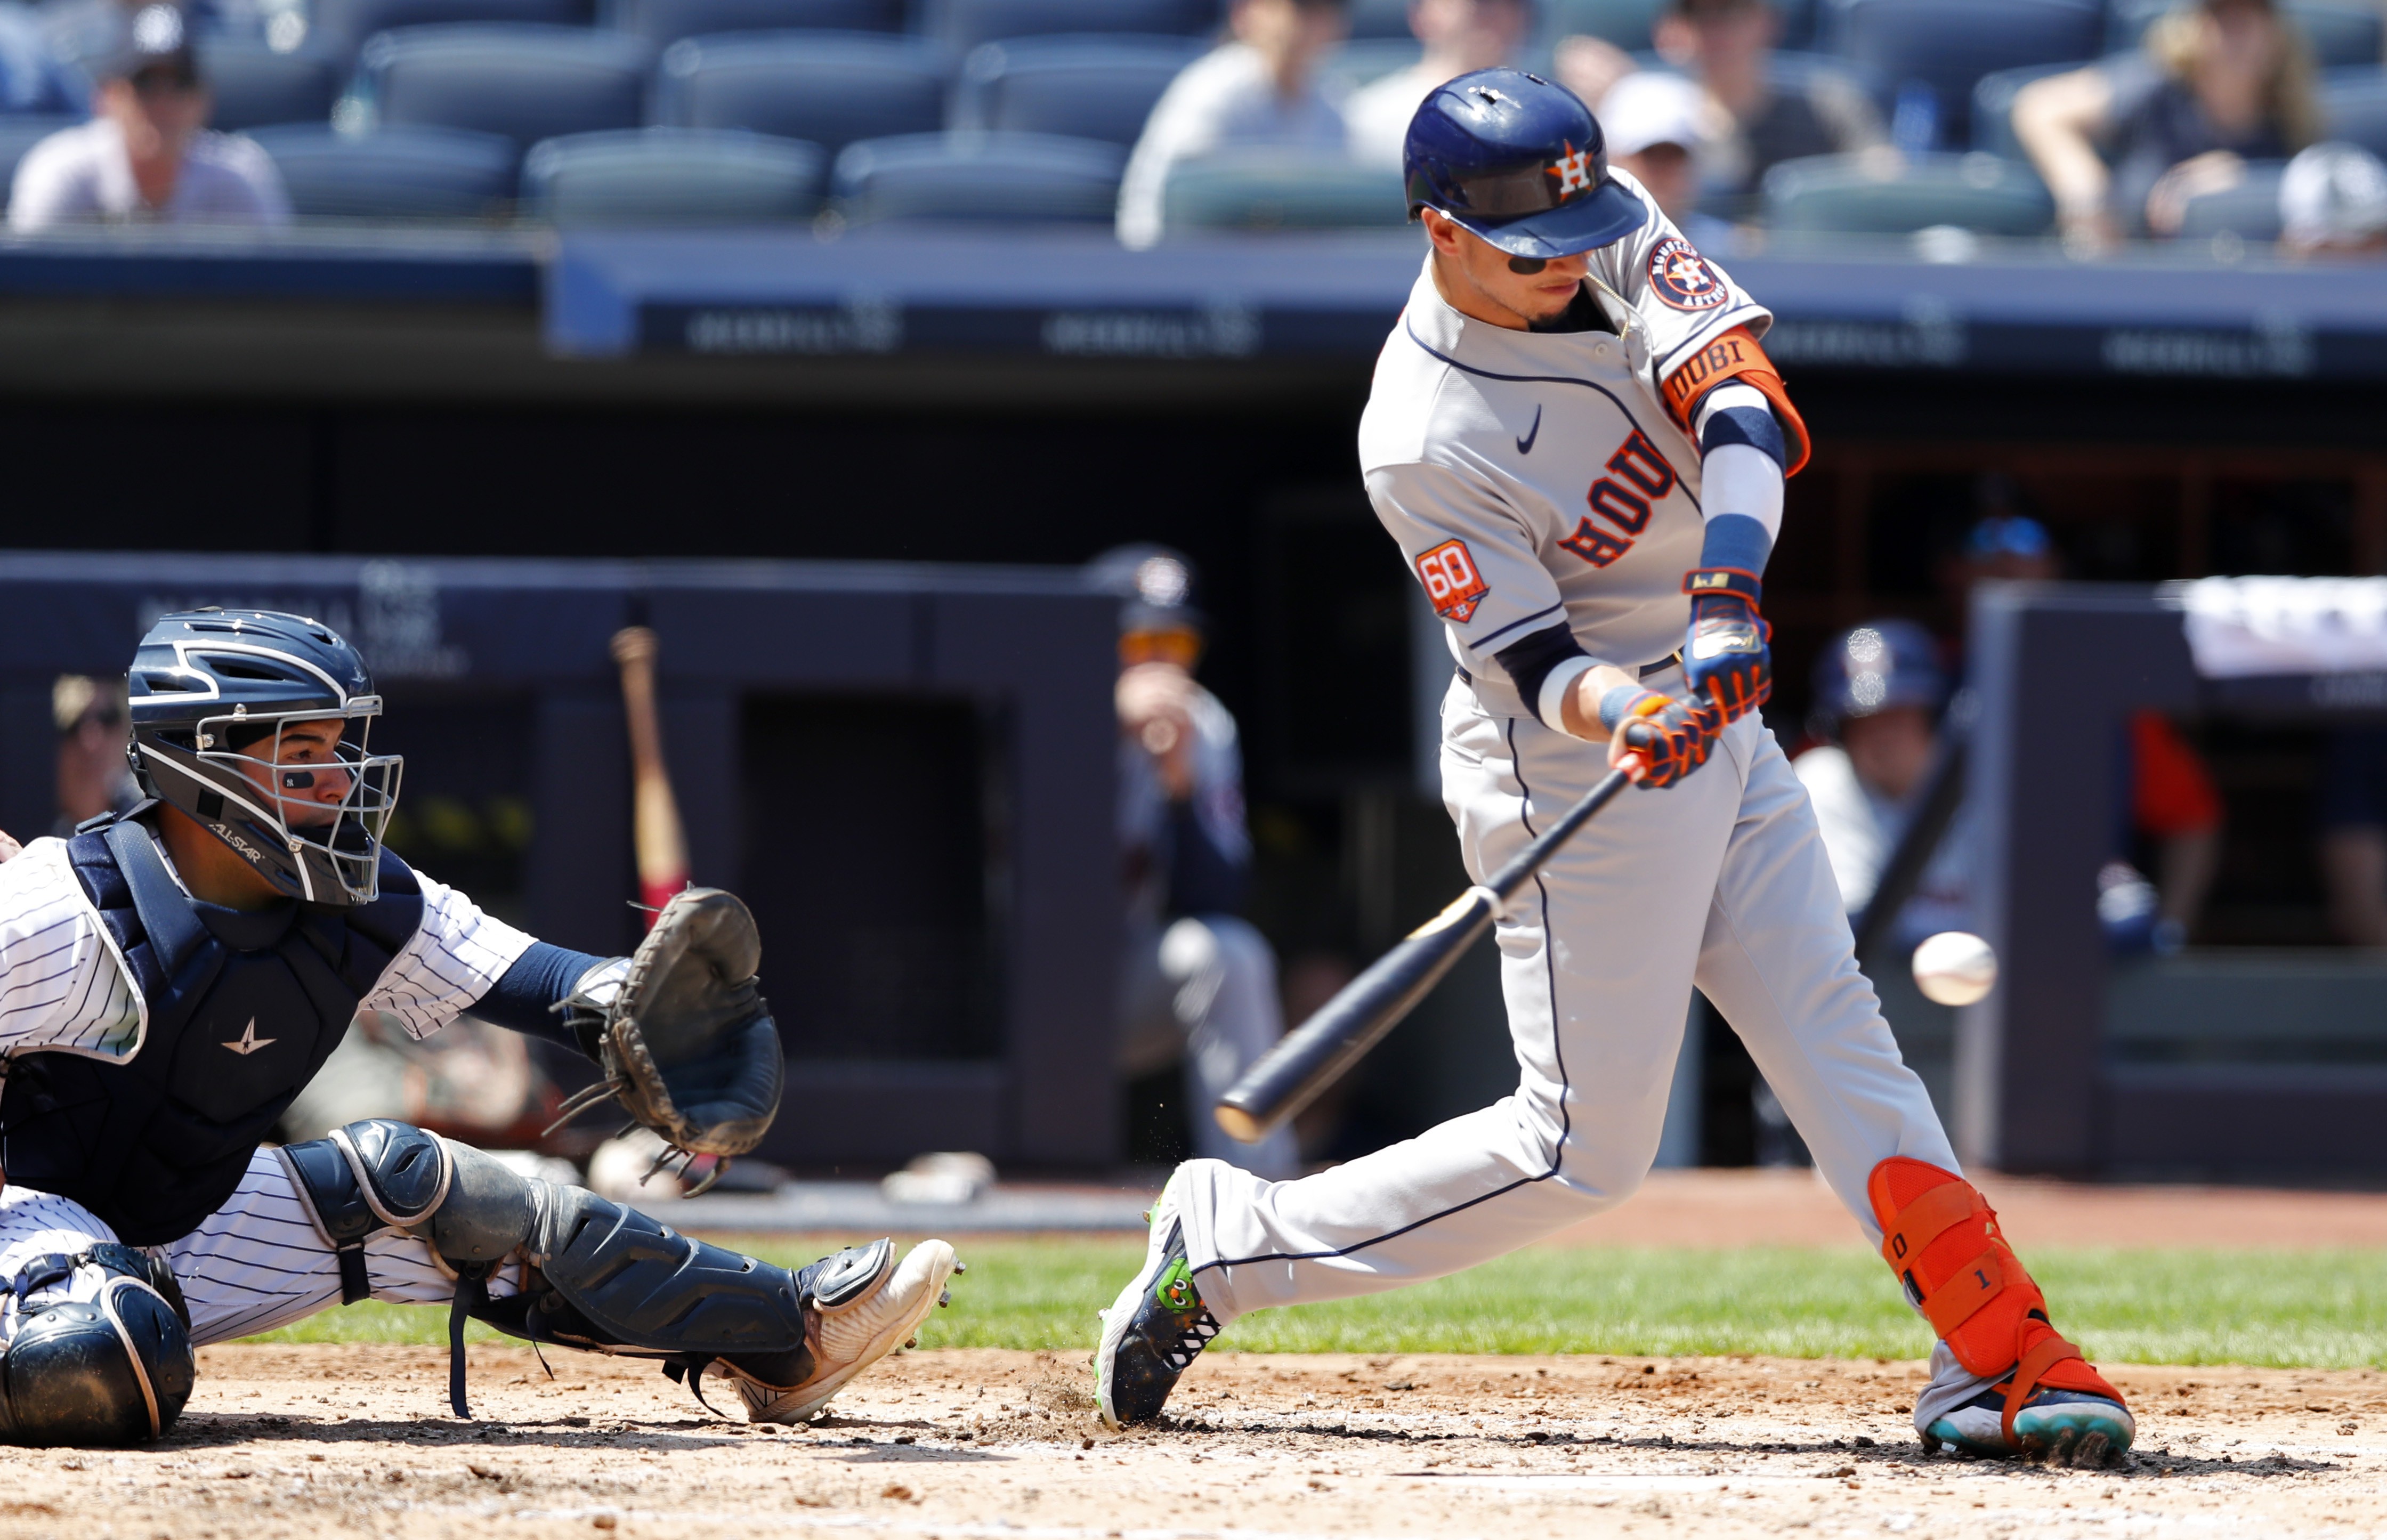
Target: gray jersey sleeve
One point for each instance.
(1679, 301)
(1477, 562)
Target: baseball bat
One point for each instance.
(1315, 1054)
(662, 848)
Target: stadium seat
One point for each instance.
(1860, 195)
(393, 172)
(1362, 59)
(1994, 99)
(1274, 190)
(1947, 46)
(21, 132)
(2355, 108)
(341, 27)
(962, 25)
(254, 85)
(664, 22)
(1086, 87)
(827, 88)
(527, 83)
(2343, 33)
(673, 176)
(1379, 18)
(1625, 23)
(1023, 178)
(2250, 210)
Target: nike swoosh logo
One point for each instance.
(1525, 445)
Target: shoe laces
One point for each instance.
(1194, 1336)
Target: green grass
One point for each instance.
(2318, 1309)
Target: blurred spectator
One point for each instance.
(1728, 46)
(2213, 84)
(2354, 835)
(147, 155)
(1460, 36)
(1653, 121)
(1259, 90)
(1198, 985)
(1879, 691)
(1591, 66)
(2333, 203)
(2172, 800)
(94, 776)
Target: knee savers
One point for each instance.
(379, 1174)
(1942, 1238)
(113, 1366)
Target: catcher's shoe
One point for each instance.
(1942, 1240)
(2068, 1427)
(859, 1306)
(1157, 1328)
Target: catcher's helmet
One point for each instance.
(1876, 666)
(210, 692)
(1519, 161)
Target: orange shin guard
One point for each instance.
(1942, 1239)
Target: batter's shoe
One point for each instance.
(1942, 1238)
(1157, 1327)
(859, 1306)
(2066, 1427)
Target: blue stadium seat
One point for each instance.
(827, 88)
(254, 85)
(1947, 46)
(664, 22)
(1368, 58)
(2250, 210)
(1276, 190)
(341, 26)
(393, 172)
(1625, 23)
(1994, 99)
(1086, 87)
(962, 25)
(673, 176)
(527, 83)
(2356, 106)
(1007, 178)
(1376, 19)
(2343, 33)
(1860, 195)
(21, 132)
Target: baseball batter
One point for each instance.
(171, 980)
(1577, 440)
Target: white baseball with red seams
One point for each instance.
(1531, 477)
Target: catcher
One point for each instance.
(171, 977)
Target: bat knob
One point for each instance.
(635, 644)
(1239, 1125)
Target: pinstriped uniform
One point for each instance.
(257, 1262)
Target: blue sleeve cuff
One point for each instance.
(539, 977)
(1737, 541)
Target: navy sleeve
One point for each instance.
(1203, 879)
(1530, 660)
(539, 977)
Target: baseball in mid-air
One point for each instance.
(1955, 967)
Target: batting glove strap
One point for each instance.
(1703, 582)
(1727, 654)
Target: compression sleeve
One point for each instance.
(1741, 457)
(1543, 664)
(523, 998)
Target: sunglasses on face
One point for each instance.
(1527, 266)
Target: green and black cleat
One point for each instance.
(1155, 1329)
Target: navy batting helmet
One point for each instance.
(212, 692)
(1519, 161)
(1876, 666)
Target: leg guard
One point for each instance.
(1942, 1238)
(105, 1359)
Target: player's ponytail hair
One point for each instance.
(2179, 40)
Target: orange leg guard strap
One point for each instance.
(1942, 1238)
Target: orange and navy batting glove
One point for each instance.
(1726, 657)
(1672, 737)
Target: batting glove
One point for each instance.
(1672, 737)
(1726, 656)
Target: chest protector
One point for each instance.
(245, 1005)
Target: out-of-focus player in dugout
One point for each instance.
(1197, 984)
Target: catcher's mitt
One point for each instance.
(686, 1042)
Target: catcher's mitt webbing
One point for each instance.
(683, 1033)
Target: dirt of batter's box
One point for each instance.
(304, 1441)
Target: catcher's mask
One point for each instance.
(214, 694)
